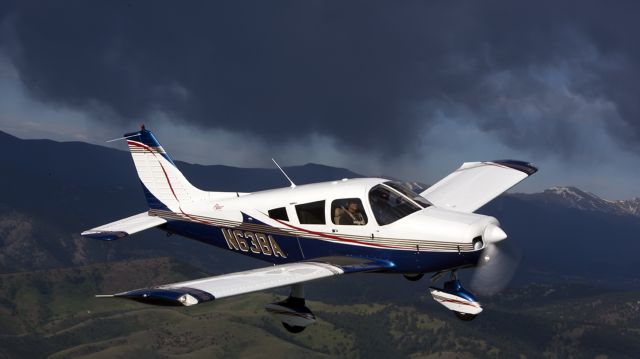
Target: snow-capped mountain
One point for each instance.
(573, 197)
(568, 197)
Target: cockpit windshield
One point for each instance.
(405, 190)
(389, 206)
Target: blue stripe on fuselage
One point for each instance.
(214, 236)
(301, 248)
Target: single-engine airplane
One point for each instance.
(320, 230)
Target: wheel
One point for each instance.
(292, 328)
(414, 277)
(465, 316)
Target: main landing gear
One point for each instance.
(292, 312)
(414, 277)
(457, 299)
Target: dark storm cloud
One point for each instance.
(369, 74)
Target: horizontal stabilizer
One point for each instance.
(476, 183)
(124, 227)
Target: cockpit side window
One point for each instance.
(311, 213)
(389, 206)
(348, 212)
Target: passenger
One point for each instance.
(352, 215)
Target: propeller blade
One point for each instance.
(495, 269)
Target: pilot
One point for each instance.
(352, 215)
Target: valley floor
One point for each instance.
(53, 313)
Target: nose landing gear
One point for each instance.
(457, 299)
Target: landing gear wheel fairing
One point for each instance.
(465, 316)
(292, 328)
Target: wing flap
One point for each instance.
(124, 227)
(476, 183)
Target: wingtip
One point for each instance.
(104, 235)
(522, 166)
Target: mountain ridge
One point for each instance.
(576, 197)
(573, 197)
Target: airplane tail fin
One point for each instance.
(165, 187)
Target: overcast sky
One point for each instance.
(409, 89)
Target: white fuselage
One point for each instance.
(428, 229)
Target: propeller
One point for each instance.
(497, 265)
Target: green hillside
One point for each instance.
(53, 313)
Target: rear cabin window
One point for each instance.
(279, 213)
(311, 213)
(348, 212)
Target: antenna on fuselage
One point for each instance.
(293, 185)
(132, 135)
(122, 138)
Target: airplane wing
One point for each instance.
(476, 183)
(124, 227)
(207, 289)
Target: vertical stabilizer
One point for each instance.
(164, 185)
